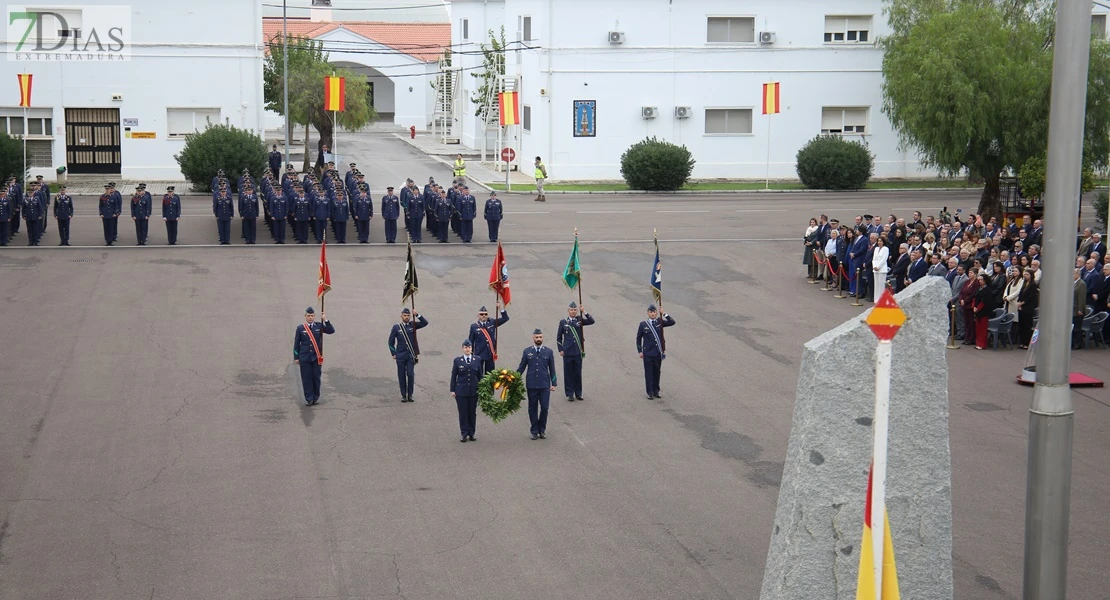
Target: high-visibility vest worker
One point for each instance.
(460, 166)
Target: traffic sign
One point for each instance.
(508, 154)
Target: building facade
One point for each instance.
(128, 116)
(596, 77)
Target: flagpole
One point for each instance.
(767, 182)
(579, 257)
(324, 241)
(879, 456)
(23, 173)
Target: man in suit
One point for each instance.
(1037, 232)
(958, 277)
(1093, 280)
(652, 347)
(406, 350)
(823, 230)
(572, 347)
(937, 269)
(308, 352)
(483, 336)
(537, 364)
(1102, 295)
(1097, 245)
(1085, 243)
(465, 374)
(901, 268)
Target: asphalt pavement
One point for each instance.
(154, 444)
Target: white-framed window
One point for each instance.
(844, 121)
(39, 122)
(735, 30)
(1098, 26)
(464, 25)
(848, 30)
(728, 121)
(526, 118)
(183, 121)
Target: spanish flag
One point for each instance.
(771, 98)
(335, 94)
(510, 114)
(24, 89)
(865, 586)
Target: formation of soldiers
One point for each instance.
(30, 206)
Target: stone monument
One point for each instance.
(815, 540)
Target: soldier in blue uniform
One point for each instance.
(171, 213)
(537, 364)
(363, 213)
(443, 213)
(406, 350)
(275, 160)
(431, 210)
(279, 207)
(483, 334)
(302, 213)
(571, 342)
(468, 210)
(248, 211)
(493, 214)
(416, 216)
(106, 208)
(44, 198)
(33, 214)
(465, 375)
(117, 205)
(652, 347)
(340, 213)
(217, 181)
(322, 211)
(225, 212)
(5, 216)
(391, 211)
(63, 212)
(308, 352)
(15, 196)
(455, 195)
(140, 214)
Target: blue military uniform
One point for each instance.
(302, 213)
(225, 212)
(406, 351)
(15, 197)
(483, 335)
(416, 216)
(43, 194)
(468, 210)
(106, 207)
(117, 204)
(322, 209)
(279, 207)
(171, 213)
(572, 345)
(465, 375)
(140, 213)
(493, 213)
(391, 211)
(5, 218)
(248, 211)
(653, 346)
(34, 215)
(444, 210)
(308, 350)
(275, 161)
(340, 213)
(537, 363)
(363, 212)
(63, 212)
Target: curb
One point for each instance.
(703, 192)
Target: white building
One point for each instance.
(94, 113)
(697, 68)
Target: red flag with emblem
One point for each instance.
(323, 284)
(499, 276)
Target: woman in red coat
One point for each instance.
(966, 298)
(983, 306)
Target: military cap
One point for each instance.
(409, 180)
(389, 189)
(220, 172)
(651, 307)
(537, 332)
(466, 343)
(309, 311)
(170, 188)
(405, 311)
(111, 184)
(62, 188)
(431, 180)
(572, 305)
(868, 217)
(352, 164)
(493, 193)
(38, 176)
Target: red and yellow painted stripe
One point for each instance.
(886, 318)
(865, 584)
(771, 98)
(335, 94)
(510, 113)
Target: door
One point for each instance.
(92, 140)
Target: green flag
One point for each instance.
(573, 271)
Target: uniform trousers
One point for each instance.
(171, 232)
(4, 235)
(141, 227)
(652, 369)
(487, 365)
(414, 227)
(34, 232)
(311, 371)
(340, 231)
(468, 413)
(493, 226)
(391, 230)
(224, 229)
(363, 229)
(63, 230)
(406, 375)
(538, 401)
(250, 230)
(467, 230)
(442, 233)
(15, 222)
(572, 376)
(107, 223)
(301, 232)
(279, 231)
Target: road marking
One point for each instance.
(339, 247)
(682, 211)
(529, 212)
(603, 212)
(762, 210)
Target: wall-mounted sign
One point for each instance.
(142, 135)
(585, 118)
(130, 122)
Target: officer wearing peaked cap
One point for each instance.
(466, 372)
(63, 211)
(572, 347)
(140, 214)
(171, 213)
(362, 206)
(652, 347)
(391, 211)
(308, 352)
(406, 350)
(483, 334)
(537, 364)
(493, 214)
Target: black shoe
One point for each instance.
(535, 436)
(658, 395)
(543, 436)
(315, 402)
(463, 439)
(308, 402)
(570, 398)
(410, 398)
(472, 438)
(650, 397)
(579, 398)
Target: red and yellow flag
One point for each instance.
(771, 98)
(499, 276)
(335, 94)
(865, 585)
(24, 89)
(510, 114)
(323, 284)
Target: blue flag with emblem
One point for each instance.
(656, 280)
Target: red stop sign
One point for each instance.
(508, 154)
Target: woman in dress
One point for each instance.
(810, 241)
(982, 307)
(880, 266)
(1028, 300)
(1014, 284)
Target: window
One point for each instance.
(847, 30)
(183, 121)
(39, 122)
(1098, 26)
(843, 121)
(728, 121)
(731, 29)
(58, 23)
(527, 29)
(526, 118)
(40, 153)
(465, 29)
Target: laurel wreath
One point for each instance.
(500, 393)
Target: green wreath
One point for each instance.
(500, 393)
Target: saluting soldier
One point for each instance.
(652, 347)
(465, 375)
(140, 214)
(308, 352)
(468, 210)
(340, 213)
(248, 211)
(63, 212)
(406, 350)
(106, 208)
(537, 364)
(225, 212)
(483, 334)
(443, 213)
(493, 213)
(171, 213)
(363, 213)
(571, 343)
(33, 214)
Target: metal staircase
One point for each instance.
(448, 111)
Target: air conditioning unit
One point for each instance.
(649, 112)
(766, 37)
(616, 37)
(683, 112)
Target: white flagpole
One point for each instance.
(767, 182)
(335, 137)
(878, 475)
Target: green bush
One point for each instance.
(1032, 177)
(656, 165)
(11, 156)
(829, 162)
(221, 147)
(1100, 208)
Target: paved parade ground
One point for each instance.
(154, 444)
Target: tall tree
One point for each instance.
(966, 84)
(493, 64)
(308, 65)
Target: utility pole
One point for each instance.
(1051, 419)
(285, 74)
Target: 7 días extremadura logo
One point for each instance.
(75, 33)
